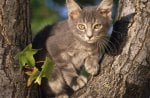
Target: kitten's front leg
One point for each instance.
(91, 65)
(62, 96)
(72, 79)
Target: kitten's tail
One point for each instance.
(41, 37)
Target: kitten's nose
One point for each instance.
(89, 35)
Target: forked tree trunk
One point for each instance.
(14, 35)
(126, 74)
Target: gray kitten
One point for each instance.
(74, 44)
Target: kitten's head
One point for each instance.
(89, 24)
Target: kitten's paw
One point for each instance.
(81, 81)
(92, 69)
(62, 96)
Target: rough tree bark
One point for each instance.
(127, 73)
(14, 35)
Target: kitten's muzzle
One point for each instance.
(90, 39)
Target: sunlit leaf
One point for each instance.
(38, 80)
(47, 68)
(30, 71)
(32, 76)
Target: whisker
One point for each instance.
(101, 47)
(109, 42)
(111, 47)
(111, 37)
(102, 43)
(116, 41)
(106, 46)
(116, 31)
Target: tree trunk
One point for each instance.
(14, 36)
(125, 74)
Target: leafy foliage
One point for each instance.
(26, 60)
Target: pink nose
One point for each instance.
(89, 36)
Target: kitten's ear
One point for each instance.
(105, 8)
(74, 10)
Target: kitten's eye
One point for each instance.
(81, 27)
(97, 26)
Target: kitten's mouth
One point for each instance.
(90, 41)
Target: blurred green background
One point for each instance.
(50, 11)
(45, 12)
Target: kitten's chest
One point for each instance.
(77, 55)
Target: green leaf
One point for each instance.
(47, 68)
(26, 56)
(46, 71)
(84, 73)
